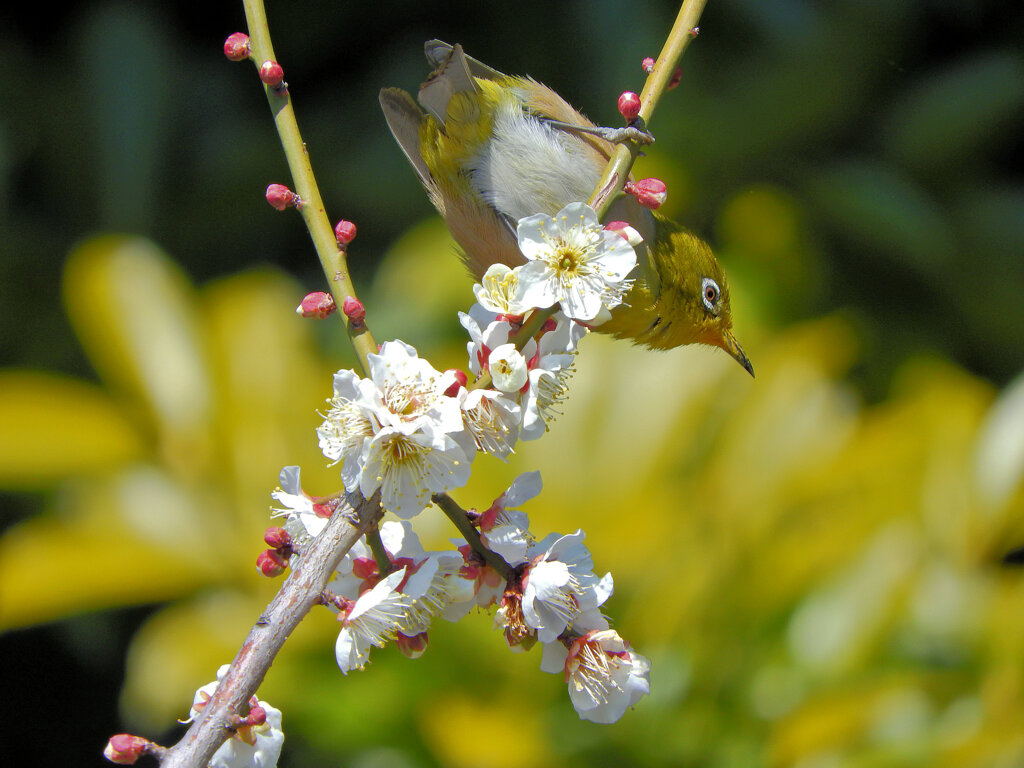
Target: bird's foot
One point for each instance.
(614, 135)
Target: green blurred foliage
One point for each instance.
(811, 559)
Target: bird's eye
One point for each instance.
(710, 293)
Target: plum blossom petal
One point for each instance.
(572, 260)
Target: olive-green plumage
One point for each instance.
(492, 149)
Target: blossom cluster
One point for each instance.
(411, 431)
(550, 596)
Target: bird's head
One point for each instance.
(682, 296)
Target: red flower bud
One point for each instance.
(125, 749)
(650, 193)
(353, 309)
(257, 716)
(277, 537)
(236, 47)
(629, 105)
(460, 381)
(271, 73)
(270, 563)
(279, 196)
(317, 304)
(648, 65)
(345, 232)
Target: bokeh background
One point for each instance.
(819, 562)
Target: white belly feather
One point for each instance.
(529, 167)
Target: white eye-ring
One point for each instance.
(709, 292)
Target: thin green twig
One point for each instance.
(469, 532)
(618, 168)
(332, 257)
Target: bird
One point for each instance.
(491, 149)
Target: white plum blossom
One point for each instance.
(372, 620)
(548, 359)
(486, 332)
(304, 517)
(349, 425)
(605, 676)
(251, 746)
(492, 419)
(431, 578)
(551, 367)
(506, 531)
(508, 368)
(573, 261)
(397, 431)
(560, 584)
(497, 290)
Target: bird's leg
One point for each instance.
(614, 135)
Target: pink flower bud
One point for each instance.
(277, 537)
(626, 231)
(648, 65)
(271, 73)
(317, 304)
(236, 47)
(270, 563)
(695, 31)
(650, 193)
(125, 749)
(353, 309)
(279, 196)
(257, 716)
(412, 647)
(677, 76)
(460, 381)
(629, 105)
(345, 232)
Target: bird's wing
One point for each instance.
(405, 119)
(451, 77)
(438, 51)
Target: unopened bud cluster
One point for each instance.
(273, 562)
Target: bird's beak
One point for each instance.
(729, 344)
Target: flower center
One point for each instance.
(408, 401)
(568, 258)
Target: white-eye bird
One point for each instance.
(492, 148)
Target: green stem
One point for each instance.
(332, 258)
(618, 168)
(469, 532)
(380, 554)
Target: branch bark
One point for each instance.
(300, 592)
